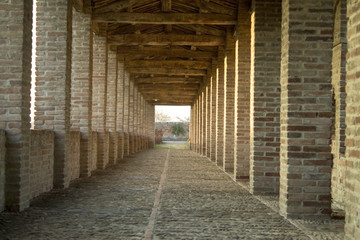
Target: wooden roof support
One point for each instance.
(160, 80)
(187, 64)
(167, 71)
(165, 18)
(165, 52)
(164, 40)
(116, 6)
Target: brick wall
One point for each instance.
(81, 85)
(75, 155)
(111, 105)
(151, 125)
(15, 75)
(53, 79)
(242, 94)
(131, 116)
(306, 108)
(2, 169)
(213, 111)
(352, 153)
(126, 113)
(41, 162)
(229, 104)
(207, 117)
(220, 108)
(265, 97)
(339, 97)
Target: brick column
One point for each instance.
(81, 86)
(208, 117)
(306, 108)
(131, 116)
(230, 78)
(213, 96)
(126, 113)
(192, 132)
(265, 97)
(151, 125)
(135, 117)
(15, 75)
(120, 107)
(339, 98)
(352, 153)
(203, 121)
(53, 80)
(199, 132)
(220, 109)
(111, 105)
(242, 94)
(99, 98)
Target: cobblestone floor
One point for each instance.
(164, 194)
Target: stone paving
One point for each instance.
(157, 194)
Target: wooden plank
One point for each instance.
(188, 64)
(165, 52)
(179, 80)
(87, 7)
(116, 6)
(164, 40)
(167, 71)
(203, 29)
(165, 18)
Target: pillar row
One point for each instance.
(126, 112)
(220, 109)
(213, 96)
(120, 106)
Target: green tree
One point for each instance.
(177, 129)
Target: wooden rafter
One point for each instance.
(165, 52)
(169, 64)
(116, 6)
(165, 18)
(164, 40)
(168, 71)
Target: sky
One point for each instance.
(182, 112)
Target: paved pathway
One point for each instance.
(157, 194)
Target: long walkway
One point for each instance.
(157, 194)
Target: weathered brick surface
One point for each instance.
(136, 119)
(111, 104)
(203, 121)
(75, 153)
(2, 169)
(230, 78)
(81, 85)
(220, 108)
(99, 96)
(339, 104)
(352, 153)
(15, 73)
(103, 155)
(120, 106)
(242, 94)
(151, 125)
(207, 119)
(131, 116)
(212, 147)
(41, 173)
(53, 80)
(265, 97)
(306, 108)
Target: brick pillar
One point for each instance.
(203, 121)
(126, 112)
(192, 133)
(151, 125)
(352, 153)
(306, 108)
(213, 110)
(339, 98)
(111, 105)
(81, 86)
(99, 97)
(208, 117)
(265, 97)
(136, 118)
(53, 80)
(131, 116)
(242, 94)
(15, 75)
(120, 107)
(142, 123)
(199, 132)
(220, 109)
(230, 78)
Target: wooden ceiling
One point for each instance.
(167, 45)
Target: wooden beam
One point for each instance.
(167, 71)
(187, 64)
(203, 29)
(116, 6)
(78, 5)
(164, 40)
(179, 80)
(165, 52)
(165, 18)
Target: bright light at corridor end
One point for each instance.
(174, 113)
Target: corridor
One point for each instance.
(197, 201)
